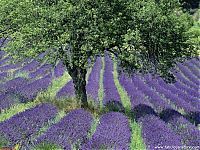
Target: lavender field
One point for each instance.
(149, 113)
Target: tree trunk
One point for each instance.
(79, 79)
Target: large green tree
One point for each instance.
(143, 34)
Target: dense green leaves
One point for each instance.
(147, 35)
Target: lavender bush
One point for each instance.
(32, 66)
(93, 81)
(188, 74)
(30, 91)
(158, 102)
(110, 90)
(15, 84)
(66, 91)
(42, 71)
(190, 135)
(59, 69)
(21, 127)
(113, 132)
(71, 130)
(156, 134)
(180, 103)
(7, 100)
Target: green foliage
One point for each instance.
(137, 142)
(57, 84)
(17, 108)
(3, 141)
(145, 35)
(47, 146)
(101, 88)
(123, 94)
(160, 36)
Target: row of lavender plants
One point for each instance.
(25, 88)
(152, 102)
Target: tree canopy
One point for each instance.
(142, 34)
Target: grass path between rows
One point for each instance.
(137, 142)
(20, 107)
(101, 87)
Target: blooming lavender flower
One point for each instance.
(188, 74)
(136, 96)
(158, 102)
(113, 132)
(2, 53)
(14, 84)
(7, 100)
(190, 135)
(32, 66)
(93, 81)
(3, 75)
(180, 103)
(59, 69)
(23, 126)
(185, 88)
(67, 90)
(70, 130)
(195, 70)
(184, 96)
(30, 91)
(157, 134)
(110, 90)
(4, 61)
(196, 62)
(188, 83)
(42, 71)
(10, 66)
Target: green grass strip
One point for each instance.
(101, 88)
(58, 117)
(57, 84)
(136, 137)
(93, 127)
(6, 114)
(123, 94)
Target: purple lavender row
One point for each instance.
(154, 98)
(3, 75)
(113, 132)
(66, 91)
(184, 96)
(59, 69)
(188, 83)
(157, 134)
(188, 74)
(110, 90)
(184, 88)
(196, 62)
(190, 135)
(32, 66)
(21, 127)
(42, 71)
(2, 53)
(10, 66)
(7, 100)
(71, 129)
(179, 102)
(4, 61)
(14, 84)
(30, 91)
(195, 70)
(93, 81)
(136, 96)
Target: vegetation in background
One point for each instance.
(144, 35)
